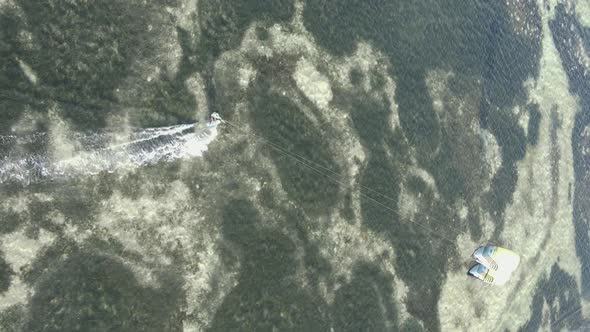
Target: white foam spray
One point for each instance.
(96, 154)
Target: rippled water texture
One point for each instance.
(368, 148)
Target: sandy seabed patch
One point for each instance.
(583, 11)
(20, 251)
(529, 230)
(313, 84)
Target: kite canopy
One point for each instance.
(494, 264)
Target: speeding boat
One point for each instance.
(495, 265)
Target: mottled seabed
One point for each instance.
(370, 146)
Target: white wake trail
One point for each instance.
(97, 154)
